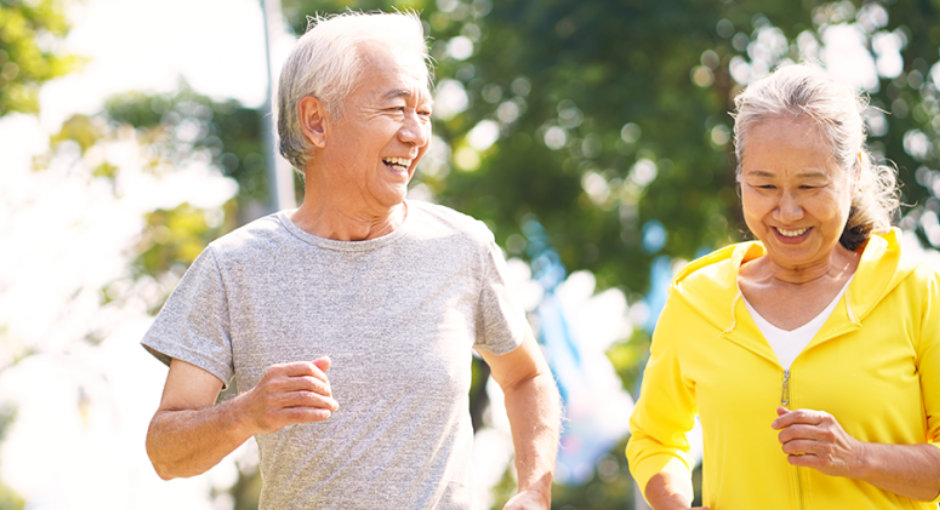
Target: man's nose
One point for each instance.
(415, 130)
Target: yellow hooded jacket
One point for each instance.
(874, 365)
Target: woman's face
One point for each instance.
(796, 197)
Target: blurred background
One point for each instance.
(592, 136)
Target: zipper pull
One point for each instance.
(785, 395)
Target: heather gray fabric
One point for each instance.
(397, 315)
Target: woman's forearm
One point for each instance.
(665, 491)
(912, 471)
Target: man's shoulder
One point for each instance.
(254, 238)
(434, 219)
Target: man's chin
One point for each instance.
(394, 197)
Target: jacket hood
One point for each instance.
(709, 285)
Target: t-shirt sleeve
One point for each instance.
(501, 321)
(194, 325)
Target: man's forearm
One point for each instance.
(184, 443)
(535, 415)
(188, 435)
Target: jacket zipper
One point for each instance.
(785, 402)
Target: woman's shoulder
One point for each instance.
(706, 287)
(896, 263)
(708, 284)
(718, 267)
(926, 269)
(913, 260)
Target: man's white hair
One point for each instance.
(326, 64)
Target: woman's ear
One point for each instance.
(313, 117)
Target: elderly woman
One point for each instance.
(812, 356)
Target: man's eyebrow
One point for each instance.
(396, 93)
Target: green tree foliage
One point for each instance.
(30, 33)
(181, 126)
(170, 131)
(184, 123)
(610, 115)
(116, 155)
(9, 500)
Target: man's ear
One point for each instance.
(313, 117)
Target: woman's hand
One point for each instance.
(815, 439)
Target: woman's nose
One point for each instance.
(788, 209)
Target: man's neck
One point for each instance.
(332, 221)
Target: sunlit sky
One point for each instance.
(216, 45)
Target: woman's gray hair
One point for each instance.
(326, 63)
(805, 91)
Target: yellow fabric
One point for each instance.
(874, 365)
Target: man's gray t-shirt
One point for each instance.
(397, 315)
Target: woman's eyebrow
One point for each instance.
(810, 174)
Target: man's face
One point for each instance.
(371, 153)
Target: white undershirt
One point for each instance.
(787, 345)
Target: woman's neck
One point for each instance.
(839, 265)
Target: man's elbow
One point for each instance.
(163, 473)
(163, 469)
(164, 466)
(538, 377)
(538, 385)
(168, 470)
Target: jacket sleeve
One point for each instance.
(928, 363)
(665, 411)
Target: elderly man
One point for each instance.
(348, 323)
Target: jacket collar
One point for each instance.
(709, 286)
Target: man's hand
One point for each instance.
(296, 392)
(528, 500)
